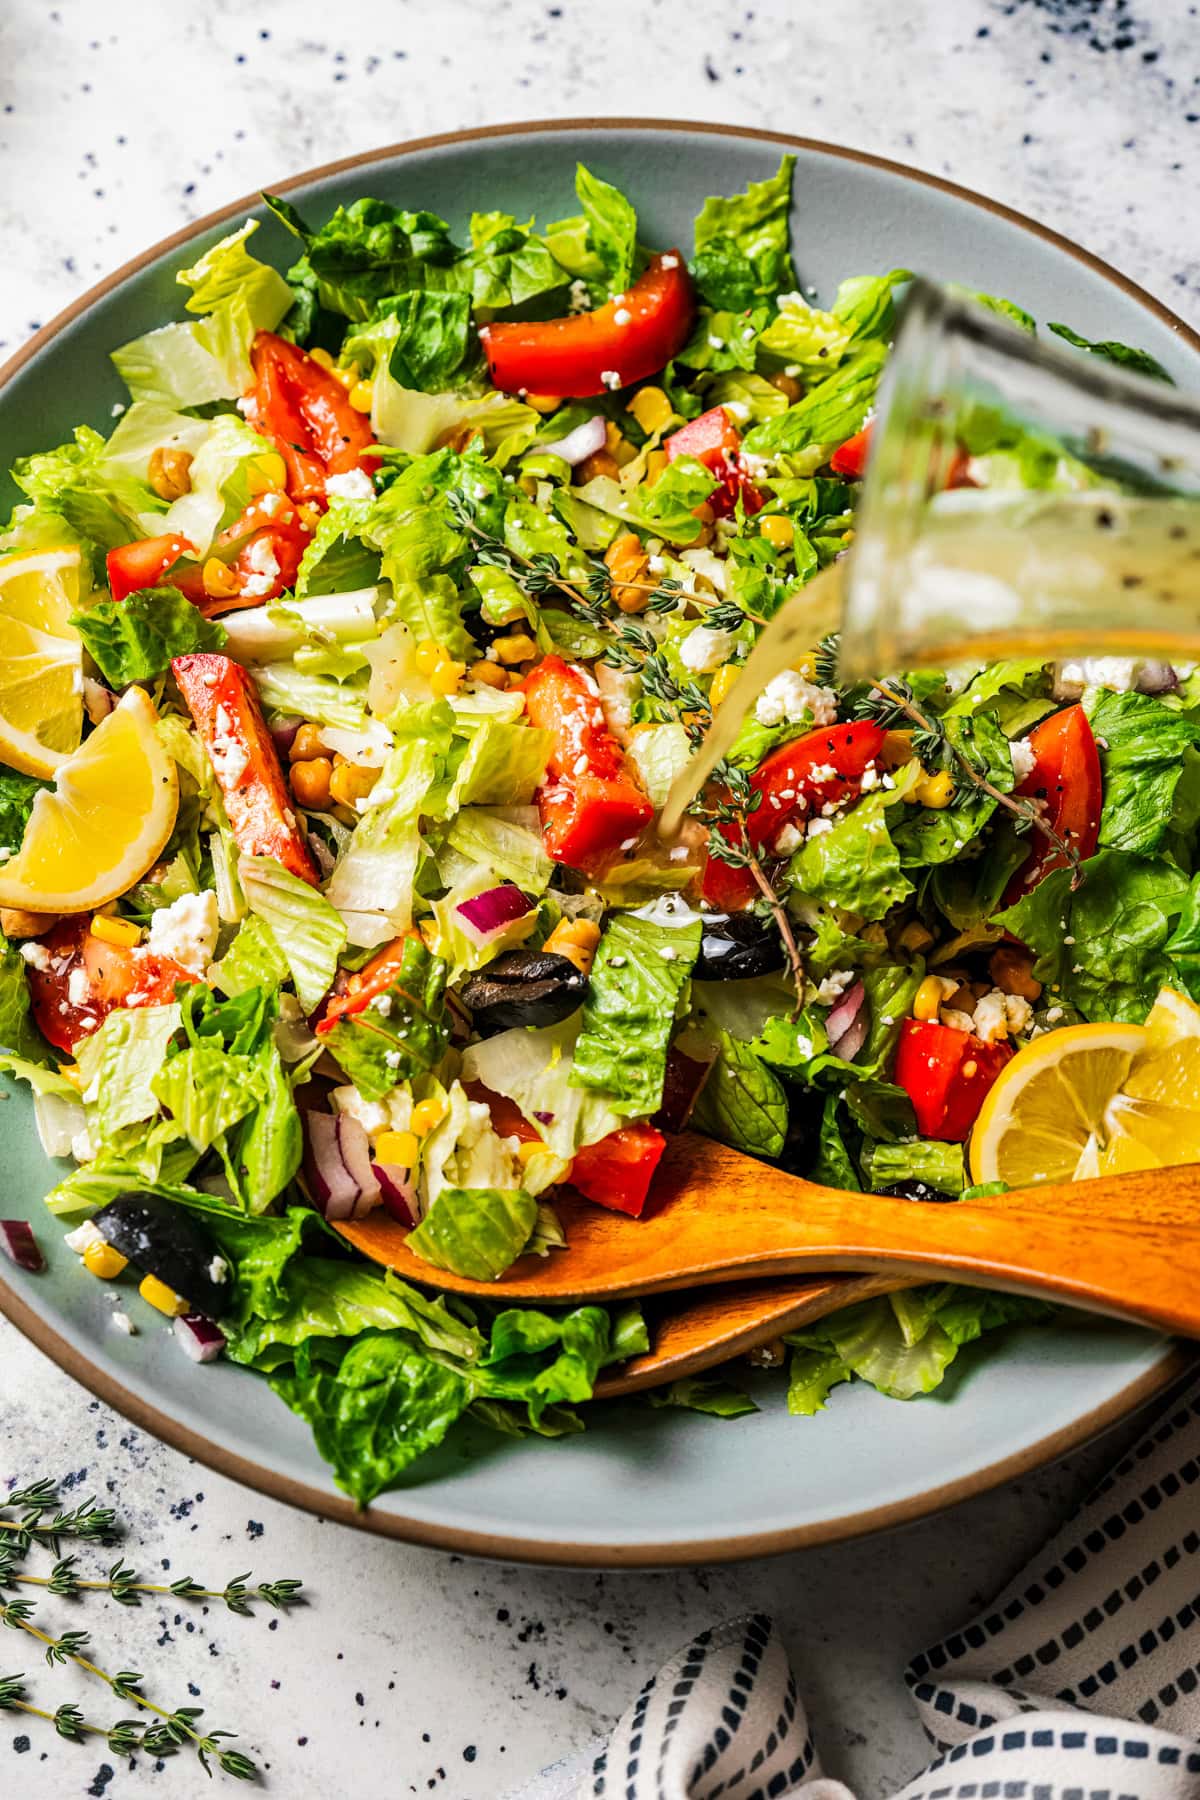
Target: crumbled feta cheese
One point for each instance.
(83, 1235)
(656, 565)
(668, 261)
(382, 1005)
(187, 930)
(1018, 1012)
(392, 1058)
(353, 484)
(703, 650)
(124, 1323)
(957, 1021)
(1024, 756)
(82, 1147)
(218, 1269)
(869, 779)
(79, 987)
(611, 379)
(228, 756)
(1053, 1015)
(580, 300)
(788, 839)
(788, 698)
(622, 316)
(825, 772)
(716, 343)
(36, 955)
(991, 1017)
(817, 827)
(263, 564)
(116, 409)
(1072, 679)
(833, 986)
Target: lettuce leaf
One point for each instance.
(705, 1394)
(1124, 355)
(119, 1064)
(1017, 691)
(313, 1297)
(402, 1033)
(368, 251)
(855, 865)
(829, 413)
(475, 1232)
(1104, 947)
(742, 243)
(638, 975)
(611, 227)
(533, 1068)
(136, 640)
(939, 1165)
(18, 1032)
(1144, 747)
(812, 1374)
(98, 500)
(504, 764)
(302, 923)
(17, 795)
(510, 851)
(926, 836)
(743, 1103)
(207, 1090)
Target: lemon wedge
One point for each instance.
(104, 822)
(41, 659)
(1047, 1108)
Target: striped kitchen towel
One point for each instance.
(1081, 1681)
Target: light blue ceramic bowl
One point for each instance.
(640, 1487)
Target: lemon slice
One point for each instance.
(1043, 1111)
(104, 822)
(41, 659)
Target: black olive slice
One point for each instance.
(737, 946)
(523, 987)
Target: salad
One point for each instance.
(342, 683)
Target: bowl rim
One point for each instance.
(1175, 1361)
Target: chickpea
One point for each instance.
(310, 783)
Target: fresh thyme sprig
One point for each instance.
(725, 810)
(87, 1520)
(893, 700)
(123, 1586)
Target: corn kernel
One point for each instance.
(310, 782)
(488, 674)
(429, 655)
(170, 473)
(447, 678)
(348, 374)
(777, 529)
(722, 682)
(915, 937)
(399, 1149)
(116, 931)
(351, 781)
(618, 446)
(220, 583)
(652, 410)
(543, 403)
(934, 791)
(156, 1293)
(600, 462)
(322, 358)
(930, 995)
(528, 1148)
(806, 667)
(656, 462)
(361, 396)
(266, 474)
(517, 647)
(306, 744)
(104, 1260)
(426, 1114)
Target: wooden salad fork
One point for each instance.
(1126, 1245)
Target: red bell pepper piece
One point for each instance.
(145, 563)
(617, 1171)
(946, 1074)
(633, 335)
(1066, 779)
(353, 993)
(306, 411)
(591, 804)
(789, 789)
(223, 701)
(117, 975)
(714, 440)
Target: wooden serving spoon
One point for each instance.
(1128, 1245)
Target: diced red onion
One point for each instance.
(338, 1164)
(20, 1246)
(579, 444)
(544, 1118)
(202, 1341)
(283, 734)
(1157, 678)
(685, 1077)
(396, 1191)
(848, 1022)
(98, 700)
(487, 916)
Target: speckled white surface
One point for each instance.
(413, 1672)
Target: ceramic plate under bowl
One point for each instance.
(700, 1488)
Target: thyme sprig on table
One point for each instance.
(44, 1521)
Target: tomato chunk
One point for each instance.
(307, 412)
(68, 1007)
(633, 335)
(946, 1074)
(1066, 779)
(850, 458)
(714, 440)
(134, 566)
(222, 700)
(353, 993)
(617, 1171)
(591, 804)
(791, 782)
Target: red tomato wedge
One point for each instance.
(132, 567)
(633, 335)
(223, 701)
(591, 804)
(946, 1074)
(792, 781)
(617, 1171)
(714, 440)
(353, 993)
(1066, 778)
(307, 412)
(116, 975)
